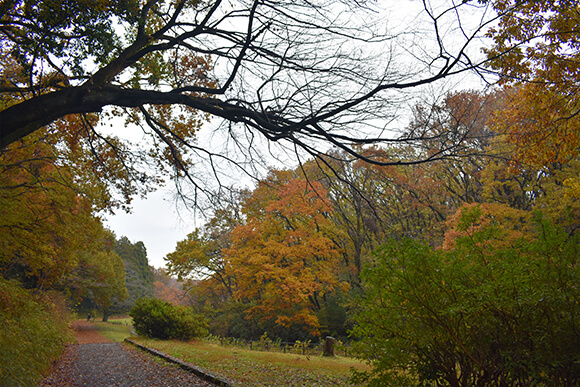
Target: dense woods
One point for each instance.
(436, 227)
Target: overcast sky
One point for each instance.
(155, 222)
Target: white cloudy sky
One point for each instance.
(155, 222)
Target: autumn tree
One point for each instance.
(481, 309)
(466, 114)
(167, 288)
(201, 254)
(52, 188)
(53, 248)
(540, 74)
(372, 203)
(199, 264)
(284, 258)
(47, 213)
(536, 42)
(375, 202)
(51, 237)
(282, 228)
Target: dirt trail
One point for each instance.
(97, 361)
(87, 333)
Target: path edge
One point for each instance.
(186, 366)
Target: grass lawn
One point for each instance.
(115, 329)
(256, 368)
(120, 320)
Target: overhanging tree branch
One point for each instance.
(307, 75)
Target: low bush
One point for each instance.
(33, 333)
(162, 320)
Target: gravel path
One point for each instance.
(95, 361)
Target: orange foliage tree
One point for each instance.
(284, 258)
(51, 190)
(167, 288)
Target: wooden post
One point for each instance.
(329, 346)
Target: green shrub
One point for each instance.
(33, 331)
(506, 314)
(162, 320)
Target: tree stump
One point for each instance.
(329, 346)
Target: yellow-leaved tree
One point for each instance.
(284, 258)
(540, 67)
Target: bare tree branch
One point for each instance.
(307, 75)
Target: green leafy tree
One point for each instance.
(497, 306)
(109, 290)
(98, 281)
(139, 275)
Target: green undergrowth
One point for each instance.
(34, 329)
(256, 368)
